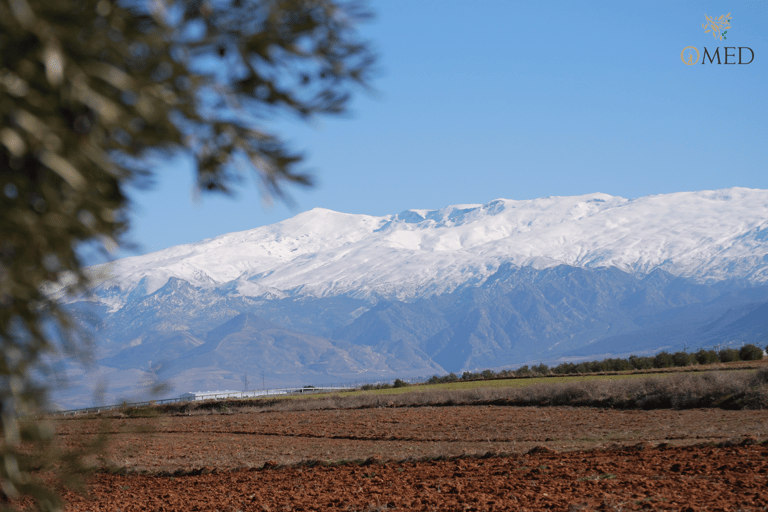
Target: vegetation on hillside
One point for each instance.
(715, 389)
(661, 360)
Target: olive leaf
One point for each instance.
(88, 90)
(718, 26)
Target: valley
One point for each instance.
(416, 451)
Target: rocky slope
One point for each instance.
(327, 296)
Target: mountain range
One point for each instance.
(332, 297)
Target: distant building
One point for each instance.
(220, 395)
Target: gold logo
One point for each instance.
(690, 61)
(718, 26)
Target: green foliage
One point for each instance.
(641, 363)
(683, 359)
(728, 355)
(523, 370)
(451, 377)
(663, 360)
(88, 89)
(564, 369)
(618, 365)
(399, 383)
(706, 356)
(381, 385)
(750, 352)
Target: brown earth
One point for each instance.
(603, 460)
(680, 478)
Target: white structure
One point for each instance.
(218, 395)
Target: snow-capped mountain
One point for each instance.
(706, 236)
(327, 296)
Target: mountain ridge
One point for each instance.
(708, 236)
(332, 296)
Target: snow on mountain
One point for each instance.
(708, 236)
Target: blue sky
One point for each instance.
(481, 100)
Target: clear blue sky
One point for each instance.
(489, 99)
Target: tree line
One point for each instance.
(664, 359)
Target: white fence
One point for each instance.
(223, 395)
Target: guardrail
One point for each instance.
(95, 409)
(212, 396)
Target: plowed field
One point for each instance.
(435, 458)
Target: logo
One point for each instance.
(690, 61)
(717, 26)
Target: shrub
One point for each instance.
(706, 356)
(369, 387)
(583, 368)
(451, 377)
(618, 365)
(592, 367)
(399, 383)
(682, 359)
(564, 368)
(663, 360)
(641, 363)
(523, 370)
(488, 374)
(726, 390)
(750, 353)
(727, 355)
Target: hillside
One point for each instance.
(330, 297)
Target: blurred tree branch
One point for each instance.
(88, 89)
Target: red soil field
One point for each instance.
(680, 478)
(433, 458)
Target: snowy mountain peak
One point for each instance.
(709, 235)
